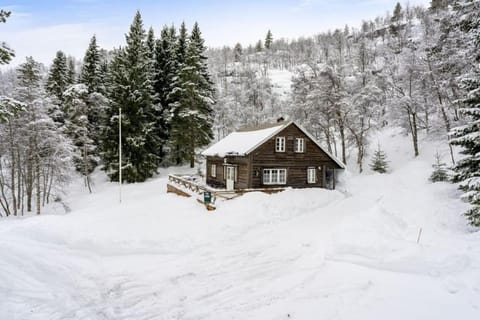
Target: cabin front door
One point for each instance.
(230, 177)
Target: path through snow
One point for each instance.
(300, 254)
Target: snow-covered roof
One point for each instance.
(242, 142)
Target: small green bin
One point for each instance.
(207, 197)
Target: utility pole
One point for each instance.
(120, 153)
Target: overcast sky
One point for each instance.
(40, 28)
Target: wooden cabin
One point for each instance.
(270, 156)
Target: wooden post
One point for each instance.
(334, 179)
(419, 235)
(324, 177)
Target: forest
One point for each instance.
(416, 68)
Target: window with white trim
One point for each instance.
(280, 144)
(311, 175)
(299, 145)
(274, 176)
(213, 170)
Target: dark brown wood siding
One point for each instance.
(265, 157)
(241, 164)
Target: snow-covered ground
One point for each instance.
(281, 81)
(301, 254)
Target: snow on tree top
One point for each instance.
(243, 141)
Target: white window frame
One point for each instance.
(311, 175)
(280, 144)
(299, 145)
(274, 175)
(213, 171)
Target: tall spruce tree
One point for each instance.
(198, 51)
(131, 89)
(71, 72)
(93, 77)
(58, 76)
(182, 45)
(237, 52)
(6, 54)
(467, 170)
(193, 98)
(259, 46)
(268, 40)
(164, 71)
(150, 42)
(81, 131)
(90, 74)
(178, 150)
(397, 13)
(57, 83)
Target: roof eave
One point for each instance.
(337, 161)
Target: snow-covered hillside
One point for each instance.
(301, 254)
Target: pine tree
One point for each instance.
(80, 130)
(191, 126)
(397, 13)
(6, 54)
(9, 107)
(439, 173)
(90, 74)
(93, 77)
(268, 40)
(198, 51)
(438, 5)
(379, 161)
(71, 72)
(58, 78)
(467, 170)
(131, 89)
(259, 46)
(150, 42)
(182, 45)
(57, 83)
(177, 148)
(164, 71)
(237, 52)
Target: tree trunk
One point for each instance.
(445, 118)
(19, 180)
(12, 168)
(50, 183)
(177, 155)
(85, 165)
(414, 133)
(192, 152)
(3, 199)
(29, 180)
(327, 138)
(45, 184)
(37, 174)
(341, 127)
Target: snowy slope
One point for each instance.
(281, 81)
(300, 254)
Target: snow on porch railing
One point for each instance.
(186, 186)
(188, 183)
